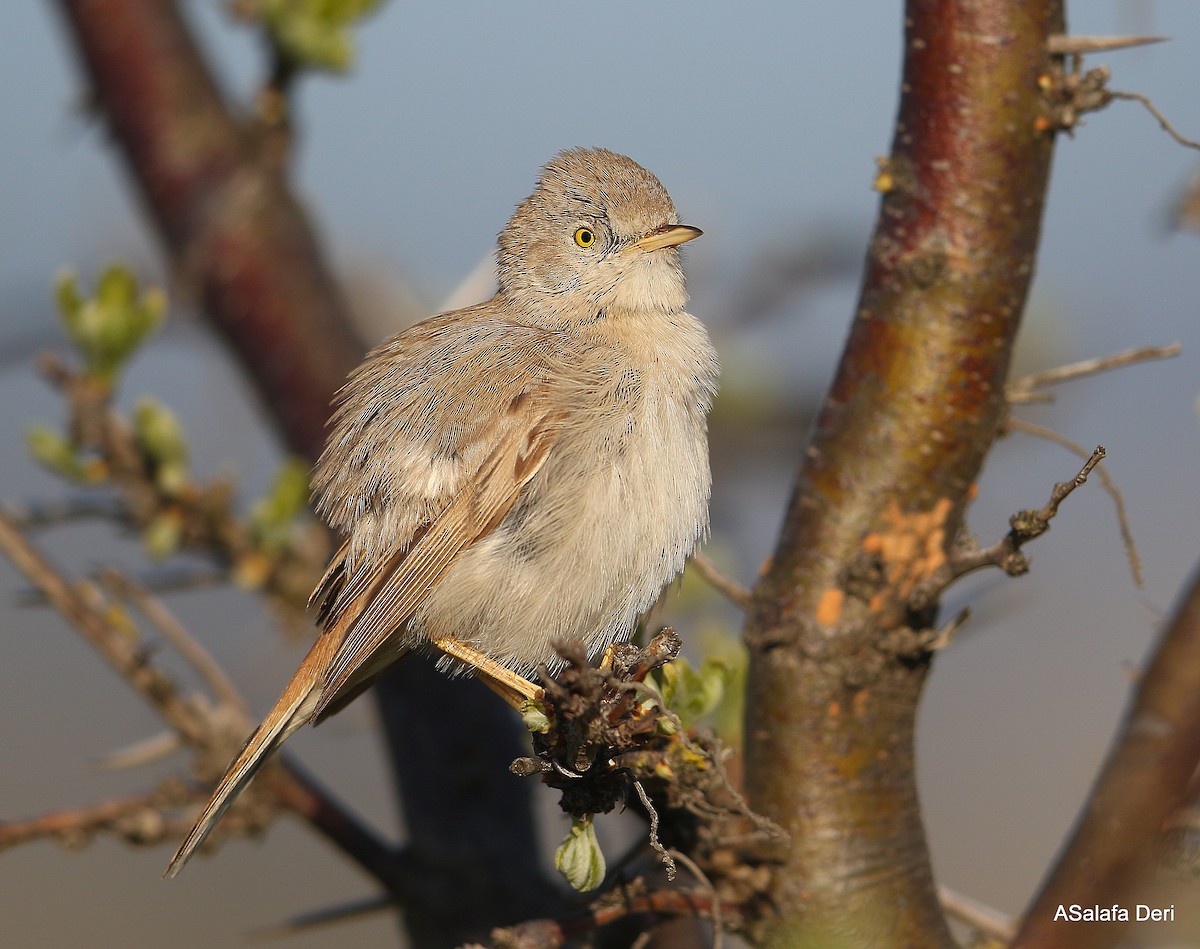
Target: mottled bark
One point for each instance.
(839, 630)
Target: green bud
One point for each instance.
(163, 535)
(107, 328)
(116, 288)
(273, 517)
(316, 34)
(579, 857)
(66, 295)
(172, 478)
(51, 449)
(160, 436)
(287, 498)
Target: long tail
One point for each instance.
(293, 710)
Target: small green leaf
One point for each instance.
(533, 714)
(172, 478)
(116, 288)
(160, 436)
(692, 693)
(66, 294)
(287, 498)
(579, 858)
(273, 517)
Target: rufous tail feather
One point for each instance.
(293, 710)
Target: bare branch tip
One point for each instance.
(1024, 389)
(712, 575)
(1163, 121)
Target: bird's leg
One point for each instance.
(606, 661)
(514, 689)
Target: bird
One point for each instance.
(526, 471)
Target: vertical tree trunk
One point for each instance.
(838, 640)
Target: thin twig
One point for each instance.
(185, 644)
(1006, 553)
(122, 653)
(606, 910)
(719, 582)
(171, 578)
(39, 513)
(655, 844)
(946, 635)
(1106, 482)
(328, 916)
(1023, 389)
(1162, 119)
(144, 752)
(138, 819)
(983, 919)
(717, 919)
(1061, 492)
(207, 731)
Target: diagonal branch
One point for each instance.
(1026, 388)
(138, 819)
(1118, 837)
(1106, 482)
(121, 652)
(168, 624)
(215, 731)
(234, 234)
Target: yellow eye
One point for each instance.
(585, 237)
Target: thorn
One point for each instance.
(141, 752)
(947, 633)
(1060, 44)
(324, 917)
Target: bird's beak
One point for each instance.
(669, 235)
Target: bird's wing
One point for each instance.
(488, 442)
(435, 436)
(399, 590)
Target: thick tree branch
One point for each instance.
(235, 235)
(917, 400)
(1118, 837)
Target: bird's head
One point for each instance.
(598, 233)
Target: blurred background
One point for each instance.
(764, 126)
